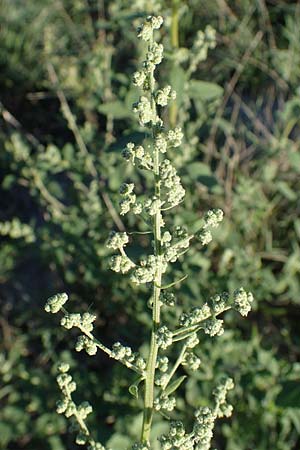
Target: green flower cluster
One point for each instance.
(137, 153)
(126, 355)
(117, 240)
(165, 403)
(87, 344)
(192, 361)
(138, 446)
(128, 198)
(202, 432)
(204, 41)
(78, 413)
(242, 301)
(205, 315)
(176, 438)
(56, 302)
(83, 322)
(164, 337)
(16, 230)
(145, 31)
(212, 219)
(172, 189)
(121, 263)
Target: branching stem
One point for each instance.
(150, 371)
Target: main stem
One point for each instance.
(150, 372)
(175, 45)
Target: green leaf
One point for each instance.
(204, 90)
(177, 81)
(289, 396)
(117, 109)
(8, 181)
(286, 191)
(294, 159)
(198, 171)
(119, 442)
(134, 388)
(174, 385)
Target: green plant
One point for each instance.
(168, 244)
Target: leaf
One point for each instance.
(8, 181)
(117, 109)
(119, 441)
(201, 172)
(174, 385)
(134, 388)
(6, 433)
(286, 191)
(177, 81)
(289, 396)
(294, 159)
(204, 90)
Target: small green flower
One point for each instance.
(56, 302)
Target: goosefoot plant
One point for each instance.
(159, 381)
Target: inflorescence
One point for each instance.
(167, 247)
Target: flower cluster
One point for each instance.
(154, 57)
(144, 110)
(126, 355)
(176, 438)
(69, 408)
(205, 315)
(117, 240)
(204, 41)
(219, 302)
(164, 337)
(121, 263)
(173, 191)
(191, 361)
(128, 197)
(87, 344)
(137, 153)
(84, 321)
(174, 245)
(16, 230)
(139, 446)
(167, 298)
(164, 402)
(242, 301)
(212, 219)
(202, 431)
(195, 316)
(203, 427)
(145, 32)
(146, 271)
(172, 138)
(220, 394)
(162, 96)
(162, 363)
(213, 327)
(56, 302)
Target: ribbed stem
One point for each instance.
(150, 371)
(175, 45)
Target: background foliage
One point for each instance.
(65, 98)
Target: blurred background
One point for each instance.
(65, 116)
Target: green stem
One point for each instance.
(174, 25)
(176, 365)
(175, 45)
(150, 371)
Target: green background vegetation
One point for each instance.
(65, 115)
